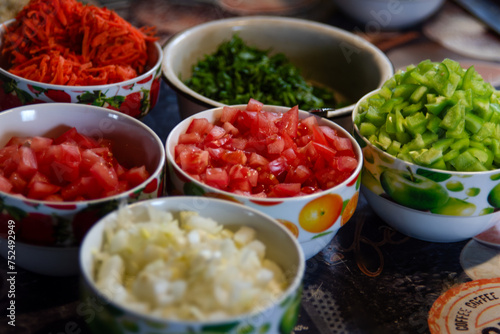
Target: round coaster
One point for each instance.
(472, 307)
(480, 261)
(490, 237)
(462, 33)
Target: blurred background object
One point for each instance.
(9, 8)
(389, 15)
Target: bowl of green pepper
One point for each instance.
(431, 145)
(276, 60)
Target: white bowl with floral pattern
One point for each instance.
(48, 229)
(134, 97)
(427, 203)
(278, 316)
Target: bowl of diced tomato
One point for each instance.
(78, 54)
(300, 169)
(63, 166)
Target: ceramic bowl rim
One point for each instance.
(144, 75)
(385, 154)
(173, 80)
(157, 171)
(421, 212)
(354, 174)
(295, 283)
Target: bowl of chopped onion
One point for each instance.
(276, 60)
(62, 167)
(78, 54)
(192, 265)
(431, 152)
(300, 169)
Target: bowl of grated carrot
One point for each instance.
(66, 51)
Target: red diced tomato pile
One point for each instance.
(265, 154)
(71, 167)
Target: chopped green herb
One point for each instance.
(237, 72)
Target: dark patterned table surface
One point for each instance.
(369, 279)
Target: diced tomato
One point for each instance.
(121, 187)
(215, 153)
(54, 198)
(300, 174)
(309, 151)
(39, 144)
(201, 126)
(223, 141)
(254, 105)
(5, 184)
(229, 114)
(90, 158)
(190, 138)
(325, 151)
(27, 162)
(277, 166)
(18, 141)
(289, 122)
(70, 155)
(136, 175)
(18, 183)
(257, 160)
(240, 172)
(234, 157)
(215, 133)
(237, 143)
(105, 175)
(185, 148)
(194, 162)
(231, 129)
(67, 136)
(289, 155)
(309, 122)
(287, 189)
(263, 125)
(346, 164)
(318, 136)
(217, 177)
(275, 144)
(240, 185)
(7, 153)
(40, 190)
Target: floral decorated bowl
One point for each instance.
(279, 315)
(135, 97)
(313, 218)
(49, 230)
(427, 203)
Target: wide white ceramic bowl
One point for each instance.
(46, 232)
(287, 210)
(281, 247)
(377, 15)
(134, 97)
(465, 211)
(326, 55)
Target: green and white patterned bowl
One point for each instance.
(438, 205)
(281, 247)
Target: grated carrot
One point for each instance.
(65, 42)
